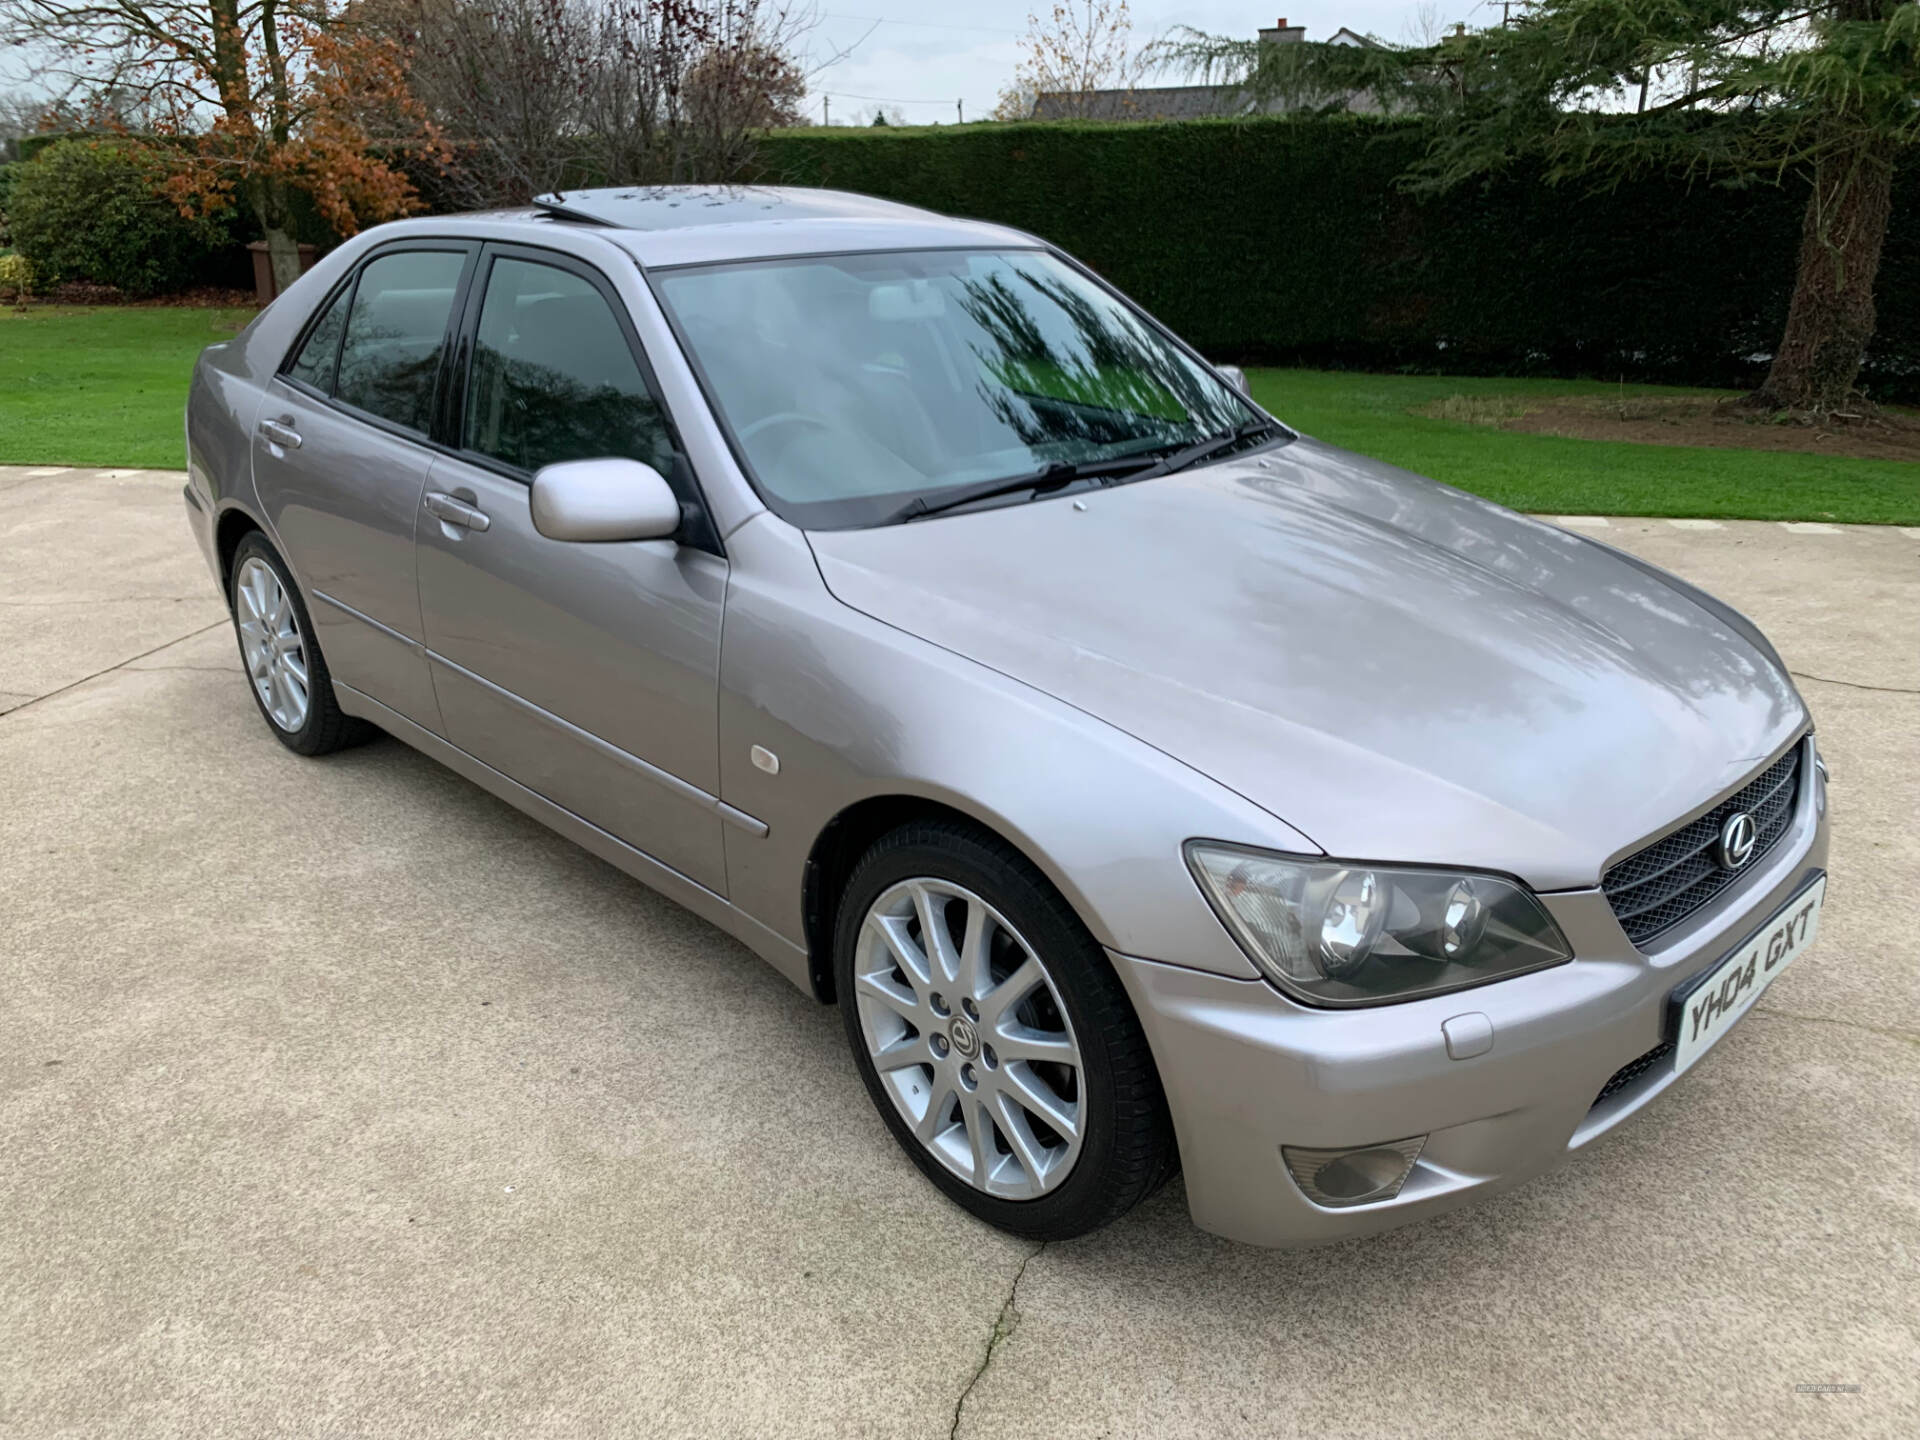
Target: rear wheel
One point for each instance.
(994, 1037)
(285, 669)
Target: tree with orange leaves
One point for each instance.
(259, 98)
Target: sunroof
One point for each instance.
(679, 207)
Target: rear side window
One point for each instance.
(554, 378)
(314, 366)
(395, 333)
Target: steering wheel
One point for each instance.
(782, 417)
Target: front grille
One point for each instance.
(1661, 1054)
(1660, 886)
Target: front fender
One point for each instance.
(855, 709)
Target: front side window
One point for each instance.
(854, 383)
(553, 377)
(395, 332)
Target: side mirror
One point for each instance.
(611, 499)
(1235, 377)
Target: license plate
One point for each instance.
(1712, 1004)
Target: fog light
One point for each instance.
(1353, 1177)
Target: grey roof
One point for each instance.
(1160, 102)
(663, 225)
(1169, 102)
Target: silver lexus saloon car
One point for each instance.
(1150, 786)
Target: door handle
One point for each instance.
(280, 433)
(456, 512)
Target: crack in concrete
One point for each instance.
(1004, 1324)
(1854, 684)
(1886, 1032)
(122, 665)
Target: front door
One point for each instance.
(587, 672)
(340, 460)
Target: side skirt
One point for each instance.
(778, 951)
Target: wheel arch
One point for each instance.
(849, 835)
(233, 526)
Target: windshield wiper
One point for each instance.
(1205, 449)
(1061, 473)
(1057, 476)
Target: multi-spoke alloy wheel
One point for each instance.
(970, 1038)
(285, 669)
(270, 643)
(993, 1033)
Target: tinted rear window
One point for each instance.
(395, 334)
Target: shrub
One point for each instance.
(88, 209)
(7, 172)
(16, 277)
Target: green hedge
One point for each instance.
(1287, 240)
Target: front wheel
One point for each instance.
(994, 1037)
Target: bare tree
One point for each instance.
(535, 95)
(711, 75)
(1016, 102)
(106, 110)
(504, 81)
(1078, 48)
(20, 116)
(743, 88)
(1424, 26)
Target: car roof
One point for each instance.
(664, 225)
(682, 207)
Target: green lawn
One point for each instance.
(101, 386)
(1545, 473)
(105, 386)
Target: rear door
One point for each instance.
(587, 672)
(341, 455)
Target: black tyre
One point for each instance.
(285, 670)
(1004, 1055)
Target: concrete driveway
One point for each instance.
(339, 1098)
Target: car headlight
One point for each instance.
(1331, 932)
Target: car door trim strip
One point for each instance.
(667, 780)
(386, 630)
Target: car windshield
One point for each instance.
(853, 384)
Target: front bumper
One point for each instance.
(1247, 1071)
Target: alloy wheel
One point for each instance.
(271, 644)
(968, 1035)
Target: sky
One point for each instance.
(923, 56)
